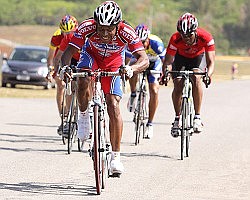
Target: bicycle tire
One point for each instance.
(63, 116)
(103, 146)
(138, 117)
(72, 123)
(190, 123)
(144, 112)
(96, 150)
(184, 124)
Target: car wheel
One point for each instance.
(4, 84)
(12, 85)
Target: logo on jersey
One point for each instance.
(106, 49)
(77, 35)
(173, 47)
(87, 28)
(211, 42)
(85, 24)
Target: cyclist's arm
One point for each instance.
(210, 59)
(142, 62)
(50, 56)
(67, 55)
(167, 63)
(57, 59)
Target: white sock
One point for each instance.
(197, 116)
(84, 112)
(115, 155)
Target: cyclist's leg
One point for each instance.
(154, 89)
(177, 94)
(200, 62)
(84, 95)
(132, 83)
(113, 94)
(153, 95)
(131, 102)
(59, 100)
(59, 92)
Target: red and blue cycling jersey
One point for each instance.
(108, 57)
(204, 43)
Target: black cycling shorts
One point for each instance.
(184, 63)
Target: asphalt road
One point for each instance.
(34, 163)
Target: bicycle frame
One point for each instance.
(187, 109)
(71, 118)
(141, 110)
(99, 146)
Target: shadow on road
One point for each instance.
(66, 189)
(18, 139)
(147, 155)
(37, 125)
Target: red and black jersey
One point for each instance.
(204, 43)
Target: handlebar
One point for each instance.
(67, 74)
(187, 73)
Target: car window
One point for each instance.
(32, 55)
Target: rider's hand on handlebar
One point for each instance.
(163, 80)
(127, 70)
(50, 73)
(207, 80)
(66, 74)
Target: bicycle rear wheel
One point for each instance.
(184, 115)
(97, 157)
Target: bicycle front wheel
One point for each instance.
(184, 126)
(97, 161)
(72, 123)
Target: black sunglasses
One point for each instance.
(188, 35)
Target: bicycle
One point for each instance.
(141, 109)
(69, 118)
(187, 108)
(99, 149)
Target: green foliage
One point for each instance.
(228, 21)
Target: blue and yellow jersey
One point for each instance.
(155, 49)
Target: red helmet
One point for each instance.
(187, 24)
(68, 23)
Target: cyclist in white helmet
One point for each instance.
(102, 41)
(155, 50)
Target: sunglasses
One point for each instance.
(188, 35)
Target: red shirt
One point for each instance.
(205, 43)
(64, 43)
(106, 55)
(56, 40)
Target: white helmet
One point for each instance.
(108, 13)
